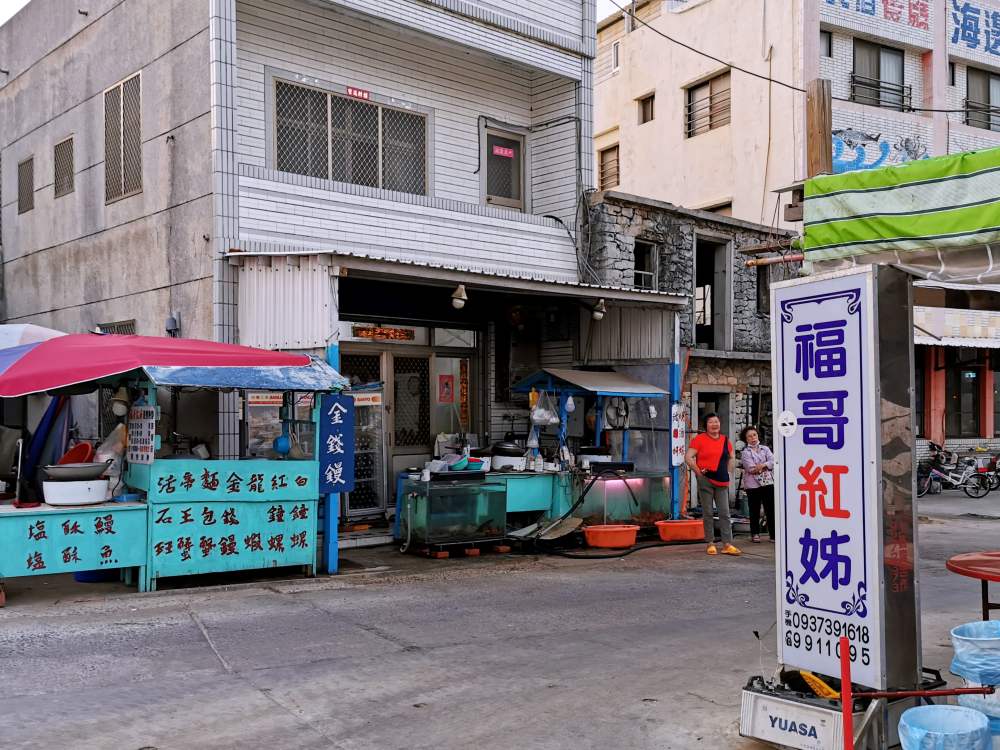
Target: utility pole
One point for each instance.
(819, 126)
(819, 143)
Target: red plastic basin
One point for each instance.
(682, 530)
(615, 536)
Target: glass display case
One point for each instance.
(369, 496)
(453, 512)
(610, 501)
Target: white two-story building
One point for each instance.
(397, 184)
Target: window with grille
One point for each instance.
(608, 166)
(26, 185)
(63, 160)
(646, 109)
(123, 139)
(708, 105)
(505, 170)
(320, 134)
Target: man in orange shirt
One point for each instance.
(710, 456)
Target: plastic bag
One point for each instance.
(944, 728)
(977, 651)
(113, 448)
(987, 704)
(544, 411)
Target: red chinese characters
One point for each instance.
(819, 497)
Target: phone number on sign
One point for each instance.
(806, 632)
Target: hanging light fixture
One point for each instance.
(599, 310)
(459, 297)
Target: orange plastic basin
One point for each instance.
(683, 530)
(610, 535)
(81, 453)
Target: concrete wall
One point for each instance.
(617, 220)
(741, 163)
(74, 262)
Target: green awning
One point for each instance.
(909, 214)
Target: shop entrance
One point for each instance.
(413, 394)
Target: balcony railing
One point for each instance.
(980, 115)
(883, 94)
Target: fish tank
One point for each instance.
(610, 501)
(453, 512)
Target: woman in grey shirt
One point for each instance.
(758, 480)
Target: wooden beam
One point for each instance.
(766, 247)
(819, 127)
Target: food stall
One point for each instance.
(179, 511)
(624, 477)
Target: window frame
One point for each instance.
(616, 55)
(825, 47)
(55, 168)
(616, 147)
(764, 289)
(644, 101)
(121, 138)
(30, 205)
(499, 200)
(654, 264)
(719, 114)
(274, 76)
(877, 96)
(982, 115)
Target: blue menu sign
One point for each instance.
(336, 443)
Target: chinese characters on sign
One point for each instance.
(914, 13)
(141, 434)
(46, 542)
(207, 536)
(336, 443)
(177, 481)
(829, 544)
(975, 27)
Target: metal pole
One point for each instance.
(846, 699)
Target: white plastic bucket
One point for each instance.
(75, 493)
(944, 728)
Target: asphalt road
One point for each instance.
(645, 652)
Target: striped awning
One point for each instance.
(948, 203)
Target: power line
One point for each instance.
(760, 76)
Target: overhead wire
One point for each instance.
(745, 71)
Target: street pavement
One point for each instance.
(648, 651)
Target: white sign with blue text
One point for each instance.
(829, 519)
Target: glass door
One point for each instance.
(369, 496)
(410, 411)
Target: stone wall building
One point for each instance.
(725, 325)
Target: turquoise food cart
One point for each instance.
(193, 514)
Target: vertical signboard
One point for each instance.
(336, 443)
(828, 447)
(141, 434)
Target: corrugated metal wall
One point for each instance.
(628, 333)
(285, 302)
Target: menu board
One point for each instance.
(208, 536)
(42, 542)
(141, 434)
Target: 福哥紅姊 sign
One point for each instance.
(827, 448)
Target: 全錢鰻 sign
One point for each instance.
(336, 443)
